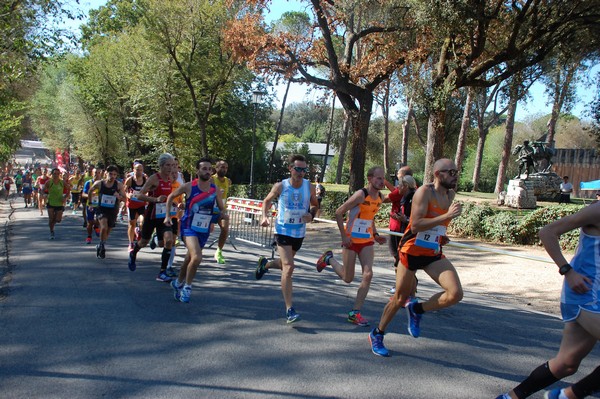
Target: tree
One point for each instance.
(353, 48)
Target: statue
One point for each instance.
(541, 152)
(525, 159)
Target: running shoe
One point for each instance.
(261, 269)
(392, 290)
(88, 240)
(292, 316)
(219, 257)
(131, 262)
(153, 242)
(186, 293)
(102, 252)
(138, 235)
(553, 394)
(162, 277)
(171, 272)
(74, 212)
(506, 396)
(414, 320)
(323, 261)
(355, 317)
(377, 346)
(176, 289)
(52, 235)
(97, 231)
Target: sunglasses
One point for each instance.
(451, 172)
(300, 170)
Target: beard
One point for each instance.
(221, 174)
(448, 185)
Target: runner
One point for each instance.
(176, 212)
(135, 207)
(358, 238)
(201, 196)
(40, 183)
(110, 192)
(55, 198)
(421, 248)
(34, 176)
(90, 199)
(19, 182)
(27, 188)
(155, 192)
(223, 183)
(296, 195)
(7, 181)
(76, 183)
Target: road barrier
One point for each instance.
(244, 223)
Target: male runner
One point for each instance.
(90, 204)
(55, 199)
(296, 195)
(223, 183)
(135, 207)
(421, 248)
(358, 238)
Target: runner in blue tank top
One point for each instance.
(296, 195)
(579, 305)
(201, 196)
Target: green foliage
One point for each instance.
(469, 223)
(534, 221)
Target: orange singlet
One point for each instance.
(426, 243)
(360, 219)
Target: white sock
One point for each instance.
(562, 395)
(171, 259)
(187, 286)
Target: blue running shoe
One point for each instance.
(131, 263)
(414, 320)
(553, 394)
(292, 316)
(186, 292)
(163, 278)
(504, 396)
(377, 347)
(176, 289)
(260, 268)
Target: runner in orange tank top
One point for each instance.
(358, 238)
(421, 248)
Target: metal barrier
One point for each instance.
(244, 223)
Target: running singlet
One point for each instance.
(55, 193)
(293, 204)
(92, 199)
(76, 184)
(587, 263)
(426, 243)
(41, 181)
(27, 185)
(222, 185)
(108, 199)
(198, 209)
(158, 210)
(359, 226)
(135, 188)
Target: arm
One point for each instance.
(183, 189)
(388, 185)
(150, 185)
(549, 235)
(314, 202)
(266, 206)
(356, 198)
(221, 205)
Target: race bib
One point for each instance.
(360, 228)
(108, 201)
(94, 200)
(201, 222)
(26, 185)
(161, 209)
(134, 195)
(431, 238)
(293, 217)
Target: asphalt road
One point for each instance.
(74, 326)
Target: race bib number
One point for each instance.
(134, 195)
(161, 209)
(293, 217)
(431, 238)
(201, 222)
(94, 200)
(26, 185)
(360, 228)
(108, 201)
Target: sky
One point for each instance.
(536, 105)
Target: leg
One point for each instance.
(444, 274)
(286, 263)
(366, 257)
(346, 270)
(224, 225)
(192, 260)
(51, 219)
(405, 281)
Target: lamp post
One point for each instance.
(256, 99)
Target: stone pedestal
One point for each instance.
(520, 194)
(546, 186)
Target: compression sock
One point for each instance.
(166, 254)
(171, 258)
(588, 385)
(418, 308)
(539, 378)
(136, 248)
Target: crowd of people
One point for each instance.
(163, 206)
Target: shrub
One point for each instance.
(470, 222)
(501, 227)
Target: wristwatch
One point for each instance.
(564, 269)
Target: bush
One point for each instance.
(501, 227)
(471, 221)
(531, 224)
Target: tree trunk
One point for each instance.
(385, 106)
(561, 91)
(360, 130)
(435, 142)
(464, 130)
(405, 129)
(329, 134)
(278, 130)
(483, 131)
(342, 152)
(508, 135)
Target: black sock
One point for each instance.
(588, 385)
(418, 308)
(378, 331)
(166, 255)
(539, 378)
(136, 248)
